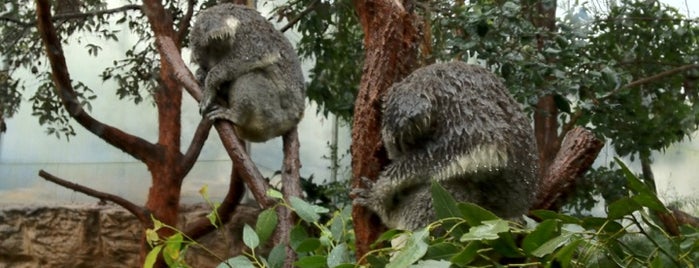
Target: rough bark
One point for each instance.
(578, 151)
(390, 41)
(543, 15)
(546, 132)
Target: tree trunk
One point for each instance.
(546, 132)
(390, 41)
(542, 14)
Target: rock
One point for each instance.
(69, 236)
(100, 236)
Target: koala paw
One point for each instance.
(362, 194)
(270, 59)
(220, 112)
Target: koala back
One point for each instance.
(457, 124)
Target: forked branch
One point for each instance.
(133, 145)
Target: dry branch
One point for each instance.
(194, 149)
(142, 214)
(650, 79)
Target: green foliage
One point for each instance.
(643, 120)
(466, 235)
(628, 237)
(628, 74)
(332, 37)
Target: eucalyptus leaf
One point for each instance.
(237, 262)
(266, 224)
(414, 249)
(250, 238)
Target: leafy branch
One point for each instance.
(74, 15)
(650, 79)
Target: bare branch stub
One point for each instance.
(578, 151)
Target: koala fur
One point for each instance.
(456, 124)
(244, 60)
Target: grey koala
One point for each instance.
(245, 61)
(456, 124)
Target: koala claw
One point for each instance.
(218, 112)
(362, 194)
(207, 103)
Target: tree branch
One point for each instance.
(198, 140)
(184, 22)
(650, 79)
(83, 15)
(303, 13)
(133, 145)
(291, 186)
(76, 15)
(141, 214)
(16, 21)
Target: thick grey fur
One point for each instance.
(445, 114)
(243, 59)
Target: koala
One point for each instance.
(456, 124)
(250, 72)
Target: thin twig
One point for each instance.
(184, 22)
(82, 15)
(203, 226)
(303, 13)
